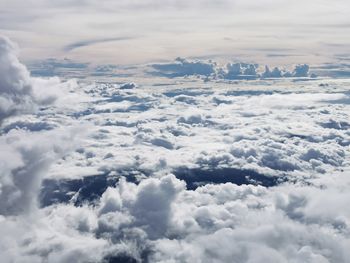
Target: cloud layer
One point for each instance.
(162, 30)
(175, 171)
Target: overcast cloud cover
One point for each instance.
(128, 32)
(186, 171)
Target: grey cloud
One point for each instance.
(232, 71)
(85, 43)
(301, 71)
(21, 177)
(334, 70)
(54, 67)
(275, 73)
(241, 71)
(183, 67)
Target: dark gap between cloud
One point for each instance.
(79, 191)
(91, 188)
(197, 177)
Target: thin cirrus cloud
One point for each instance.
(175, 28)
(85, 43)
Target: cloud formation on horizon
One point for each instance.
(232, 71)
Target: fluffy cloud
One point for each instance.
(26, 151)
(275, 73)
(23, 160)
(23, 164)
(19, 92)
(211, 132)
(232, 71)
(183, 67)
(178, 172)
(241, 71)
(15, 86)
(159, 221)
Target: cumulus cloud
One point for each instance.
(275, 73)
(23, 164)
(232, 71)
(19, 92)
(159, 221)
(301, 71)
(241, 71)
(26, 152)
(15, 86)
(178, 172)
(235, 153)
(183, 67)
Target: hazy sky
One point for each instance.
(130, 31)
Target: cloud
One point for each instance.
(163, 23)
(85, 43)
(177, 170)
(70, 69)
(333, 70)
(23, 160)
(19, 92)
(183, 67)
(232, 71)
(16, 93)
(241, 71)
(301, 71)
(158, 220)
(275, 73)
(155, 216)
(54, 67)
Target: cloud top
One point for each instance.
(232, 71)
(16, 94)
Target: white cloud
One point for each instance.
(23, 164)
(160, 220)
(15, 86)
(136, 139)
(19, 92)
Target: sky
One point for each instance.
(135, 32)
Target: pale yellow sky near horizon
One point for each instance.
(134, 32)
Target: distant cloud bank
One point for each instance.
(232, 71)
(181, 67)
